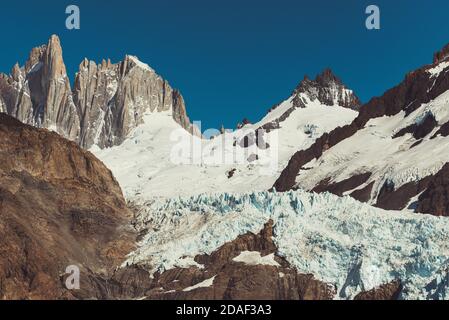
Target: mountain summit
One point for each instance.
(107, 102)
(329, 90)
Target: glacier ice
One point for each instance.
(339, 240)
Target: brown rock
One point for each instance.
(390, 291)
(59, 206)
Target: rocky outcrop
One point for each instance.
(239, 280)
(390, 291)
(221, 277)
(435, 199)
(59, 206)
(329, 90)
(419, 130)
(107, 102)
(341, 187)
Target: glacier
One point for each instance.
(341, 241)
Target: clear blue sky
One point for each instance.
(236, 58)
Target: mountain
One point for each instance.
(329, 90)
(59, 206)
(39, 93)
(162, 160)
(107, 102)
(320, 199)
(392, 155)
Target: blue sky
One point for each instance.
(234, 59)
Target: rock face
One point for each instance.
(329, 90)
(39, 94)
(107, 102)
(390, 291)
(113, 98)
(59, 206)
(435, 199)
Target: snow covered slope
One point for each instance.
(339, 240)
(379, 150)
(159, 159)
(389, 155)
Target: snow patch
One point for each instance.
(205, 284)
(253, 258)
(435, 71)
(140, 64)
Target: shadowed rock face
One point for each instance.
(59, 206)
(107, 102)
(435, 200)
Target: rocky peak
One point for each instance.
(107, 102)
(329, 90)
(53, 62)
(441, 55)
(39, 93)
(113, 99)
(35, 57)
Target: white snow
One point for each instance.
(254, 258)
(435, 71)
(140, 63)
(158, 158)
(188, 205)
(340, 241)
(386, 158)
(206, 283)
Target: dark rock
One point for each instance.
(419, 130)
(341, 187)
(390, 291)
(435, 199)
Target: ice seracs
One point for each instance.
(339, 240)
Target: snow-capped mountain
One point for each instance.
(107, 102)
(250, 158)
(391, 153)
(246, 214)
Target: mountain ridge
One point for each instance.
(420, 94)
(107, 101)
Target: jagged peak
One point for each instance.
(328, 89)
(325, 78)
(441, 55)
(53, 58)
